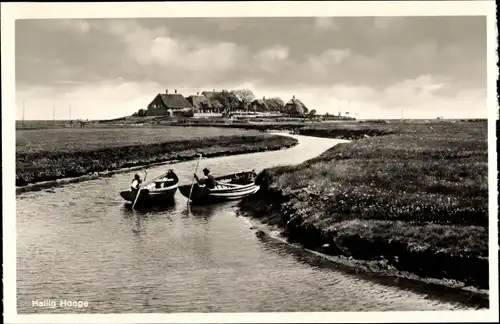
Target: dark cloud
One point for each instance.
(382, 50)
(376, 54)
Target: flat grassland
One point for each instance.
(415, 200)
(86, 139)
(50, 154)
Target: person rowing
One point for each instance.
(209, 180)
(136, 183)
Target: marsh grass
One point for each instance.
(86, 139)
(418, 192)
(49, 160)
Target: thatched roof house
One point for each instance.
(165, 103)
(200, 103)
(295, 107)
(210, 94)
(260, 105)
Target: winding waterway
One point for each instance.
(80, 242)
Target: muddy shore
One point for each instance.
(468, 276)
(374, 270)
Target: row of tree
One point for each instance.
(241, 100)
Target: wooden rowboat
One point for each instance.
(229, 187)
(160, 190)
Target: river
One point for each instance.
(79, 242)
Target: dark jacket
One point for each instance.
(209, 181)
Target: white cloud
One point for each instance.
(156, 47)
(113, 98)
(322, 77)
(325, 63)
(425, 50)
(335, 55)
(413, 91)
(276, 52)
(119, 98)
(75, 25)
(325, 23)
(272, 58)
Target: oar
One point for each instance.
(139, 190)
(192, 183)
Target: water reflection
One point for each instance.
(138, 228)
(206, 211)
(322, 263)
(148, 210)
(139, 217)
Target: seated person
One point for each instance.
(208, 180)
(136, 183)
(166, 180)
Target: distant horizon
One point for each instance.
(422, 118)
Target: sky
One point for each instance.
(374, 67)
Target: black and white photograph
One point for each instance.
(249, 162)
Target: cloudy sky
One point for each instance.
(375, 67)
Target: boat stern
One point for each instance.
(127, 195)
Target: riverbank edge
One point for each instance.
(252, 208)
(108, 173)
(264, 207)
(371, 270)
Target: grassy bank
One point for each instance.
(55, 156)
(416, 199)
(346, 130)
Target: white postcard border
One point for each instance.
(12, 11)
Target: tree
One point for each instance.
(227, 100)
(275, 104)
(312, 113)
(189, 113)
(142, 113)
(245, 96)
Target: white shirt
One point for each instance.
(135, 184)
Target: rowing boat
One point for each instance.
(229, 187)
(160, 190)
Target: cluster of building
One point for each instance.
(206, 102)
